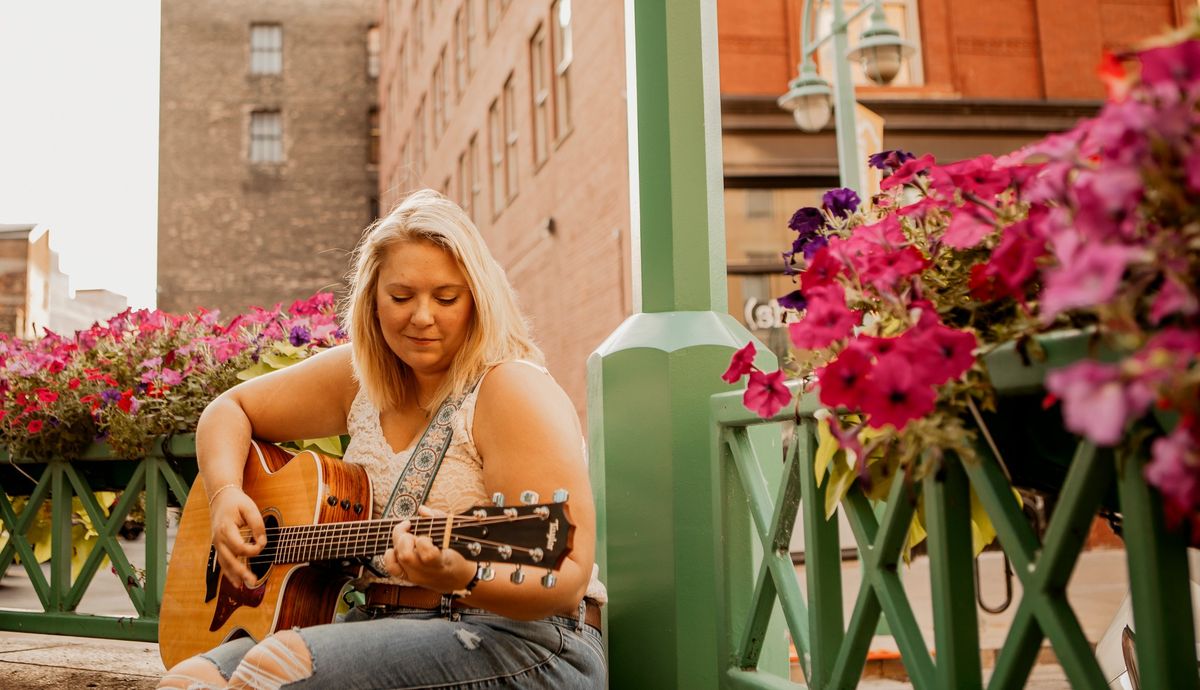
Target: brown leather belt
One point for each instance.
(400, 596)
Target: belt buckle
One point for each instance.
(446, 608)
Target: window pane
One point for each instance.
(266, 49)
(373, 52)
(266, 137)
(496, 141)
(537, 79)
(510, 125)
(563, 53)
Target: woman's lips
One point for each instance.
(422, 341)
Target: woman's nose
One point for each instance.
(423, 315)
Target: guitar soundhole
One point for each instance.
(260, 564)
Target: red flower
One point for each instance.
(74, 383)
(842, 379)
(34, 426)
(946, 353)
(126, 401)
(827, 319)
(884, 271)
(893, 395)
(766, 394)
(822, 270)
(46, 395)
(906, 172)
(740, 365)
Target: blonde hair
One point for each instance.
(497, 332)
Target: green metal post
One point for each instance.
(822, 563)
(1158, 584)
(846, 127)
(156, 535)
(61, 541)
(649, 383)
(955, 627)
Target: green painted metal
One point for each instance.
(1158, 582)
(955, 625)
(823, 564)
(167, 470)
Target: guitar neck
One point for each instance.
(341, 540)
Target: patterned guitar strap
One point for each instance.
(413, 485)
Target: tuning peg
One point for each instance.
(505, 551)
(486, 574)
(518, 576)
(529, 497)
(561, 496)
(549, 580)
(498, 499)
(536, 555)
(475, 548)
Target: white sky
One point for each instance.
(79, 135)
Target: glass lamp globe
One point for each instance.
(810, 100)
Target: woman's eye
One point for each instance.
(400, 300)
(447, 300)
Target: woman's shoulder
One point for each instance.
(514, 389)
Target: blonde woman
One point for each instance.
(431, 316)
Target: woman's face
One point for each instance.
(425, 305)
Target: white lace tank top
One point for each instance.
(458, 485)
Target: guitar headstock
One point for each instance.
(534, 534)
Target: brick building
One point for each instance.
(987, 77)
(517, 111)
(268, 144)
(35, 294)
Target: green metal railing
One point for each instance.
(832, 653)
(167, 470)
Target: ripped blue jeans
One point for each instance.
(419, 648)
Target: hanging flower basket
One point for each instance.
(1047, 294)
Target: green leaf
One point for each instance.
(841, 478)
(280, 361)
(827, 446)
(330, 445)
(254, 371)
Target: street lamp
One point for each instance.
(810, 98)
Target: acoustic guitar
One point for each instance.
(317, 512)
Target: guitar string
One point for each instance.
(261, 559)
(435, 524)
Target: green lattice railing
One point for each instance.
(168, 470)
(832, 653)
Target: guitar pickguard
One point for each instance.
(231, 597)
(212, 575)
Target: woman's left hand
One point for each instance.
(421, 562)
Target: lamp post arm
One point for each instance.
(806, 22)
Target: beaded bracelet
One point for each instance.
(216, 493)
(466, 591)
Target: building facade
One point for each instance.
(35, 295)
(268, 142)
(516, 110)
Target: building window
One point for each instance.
(760, 203)
(418, 32)
(560, 14)
(266, 49)
(475, 187)
(373, 208)
(496, 141)
(401, 72)
(540, 87)
(510, 136)
(266, 136)
(436, 95)
(419, 137)
(444, 90)
(460, 53)
(901, 15)
(373, 136)
(406, 154)
(470, 14)
(492, 11)
(373, 52)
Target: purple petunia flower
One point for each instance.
(299, 336)
(807, 220)
(110, 395)
(840, 202)
(889, 160)
(793, 300)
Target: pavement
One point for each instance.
(55, 661)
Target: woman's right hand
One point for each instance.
(232, 513)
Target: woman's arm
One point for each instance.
(307, 400)
(530, 440)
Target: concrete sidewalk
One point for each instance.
(59, 661)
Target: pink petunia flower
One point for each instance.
(1091, 278)
(740, 364)
(967, 227)
(842, 381)
(884, 270)
(1175, 470)
(822, 270)
(906, 172)
(1173, 298)
(945, 353)
(826, 320)
(1094, 399)
(766, 394)
(893, 394)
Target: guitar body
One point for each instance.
(202, 609)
